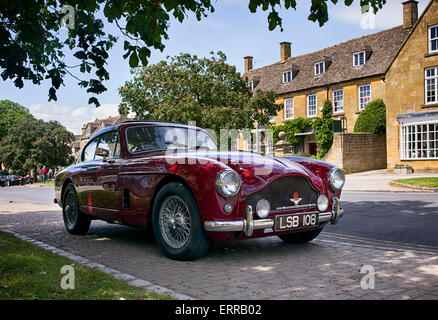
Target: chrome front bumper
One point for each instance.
(248, 225)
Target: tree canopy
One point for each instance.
(31, 143)
(10, 114)
(188, 88)
(32, 46)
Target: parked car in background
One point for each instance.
(147, 174)
(27, 179)
(2, 181)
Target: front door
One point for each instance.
(313, 149)
(106, 195)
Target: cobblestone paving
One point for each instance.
(253, 269)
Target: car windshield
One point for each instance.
(148, 138)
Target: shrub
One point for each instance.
(372, 119)
(292, 127)
(323, 129)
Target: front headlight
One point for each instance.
(228, 183)
(336, 179)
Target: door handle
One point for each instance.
(109, 160)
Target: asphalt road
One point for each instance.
(383, 219)
(26, 194)
(407, 218)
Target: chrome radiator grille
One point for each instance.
(281, 192)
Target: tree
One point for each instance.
(187, 88)
(323, 129)
(32, 143)
(372, 119)
(10, 114)
(31, 45)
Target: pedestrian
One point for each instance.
(43, 173)
(50, 174)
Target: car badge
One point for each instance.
(295, 199)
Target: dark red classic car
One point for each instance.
(149, 174)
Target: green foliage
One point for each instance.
(372, 119)
(188, 88)
(306, 155)
(323, 129)
(32, 143)
(33, 46)
(10, 114)
(292, 127)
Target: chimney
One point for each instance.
(285, 51)
(248, 63)
(410, 13)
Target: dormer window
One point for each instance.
(359, 59)
(251, 85)
(319, 68)
(433, 39)
(287, 76)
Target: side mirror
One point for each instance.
(102, 152)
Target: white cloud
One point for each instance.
(390, 16)
(72, 118)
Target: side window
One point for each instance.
(105, 147)
(89, 151)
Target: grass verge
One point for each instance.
(28, 271)
(420, 182)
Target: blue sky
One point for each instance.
(231, 29)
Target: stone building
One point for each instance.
(398, 65)
(90, 128)
(412, 94)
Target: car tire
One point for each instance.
(177, 223)
(300, 237)
(75, 221)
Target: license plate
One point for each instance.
(296, 221)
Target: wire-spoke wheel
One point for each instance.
(75, 221)
(177, 223)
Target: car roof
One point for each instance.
(139, 122)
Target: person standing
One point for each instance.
(43, 174)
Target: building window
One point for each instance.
(433, 39)
(338, 101)
(419, 141)
(288, 109)
(251, 85)
(287, 76)
(359, 59)
(364, 96)
(319, 68)
(311, 105)
(431, 85)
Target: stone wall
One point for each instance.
(357, 152)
